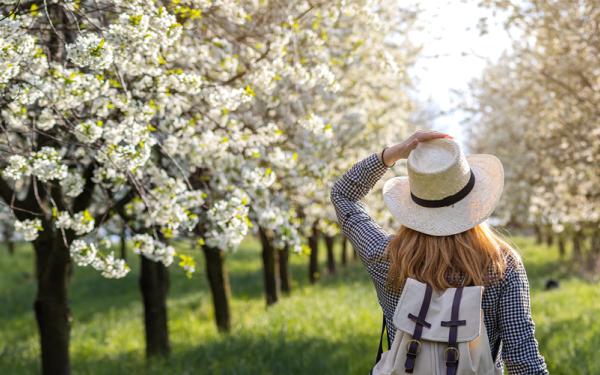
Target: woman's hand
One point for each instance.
(401, 150)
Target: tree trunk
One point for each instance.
(154, 284)
(51, 307)
(577, 245)
(270, 266)
(594, 254)
(52, 258)
(123, 241)
(313, 264)
(10, 246)
(596, 243)
(329, 242)
(8, 242)
(219, 286)
(284, 269)
(344, 250)
(561, 247)
(538, 234)
(549, 237)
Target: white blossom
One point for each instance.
(18, 166)
(16, 47)
(46, 164)
(83, 253)
(63, 220)
(229, 221)
(113, 268)
(90, 51)
(271, 218)
(536, 109)
(81, 223)
(235, 125)
(46, 119)
(29, 228)
(152, 249)
(89, 131)
(73, 184)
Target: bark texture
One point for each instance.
(270, 266)
(344, 250)
(313, 264)
(218, 281)
(284, 270)
(154, 284)
(561, 247)
(329, 244)
(51, 302)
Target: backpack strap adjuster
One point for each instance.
(414, 345)
(412, 349)
(451, 351)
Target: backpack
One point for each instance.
(438, 333)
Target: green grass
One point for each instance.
(329, 328)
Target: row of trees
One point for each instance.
(538, 108)
(165, 120)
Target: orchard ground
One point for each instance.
(328, 328)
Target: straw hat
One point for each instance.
(445, 192)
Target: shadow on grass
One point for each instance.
(90, 294)
(248, 284)
(242, 354)
(237, 354)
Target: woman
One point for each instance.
(444, 239)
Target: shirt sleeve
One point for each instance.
(520, 351)
(367, 237)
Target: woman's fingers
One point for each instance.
(427, 135)
(402, 150)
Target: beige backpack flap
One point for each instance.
(421, 344)
(440, 309)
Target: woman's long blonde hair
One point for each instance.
(437, 259)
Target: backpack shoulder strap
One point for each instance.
(495, 350)
(380, 349)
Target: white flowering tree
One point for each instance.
(79, 135)
(245, 144)
(181, 118)
(311, 64)
(375, 111)
(538, 109)
(495, 127)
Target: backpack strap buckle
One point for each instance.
(451, 355)
(413, 349)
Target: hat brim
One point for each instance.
(463, 215)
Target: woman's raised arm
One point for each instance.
(367, 237)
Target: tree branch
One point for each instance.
(84, 199)
(21, 209)
(117, 207)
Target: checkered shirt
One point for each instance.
(505, 303)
